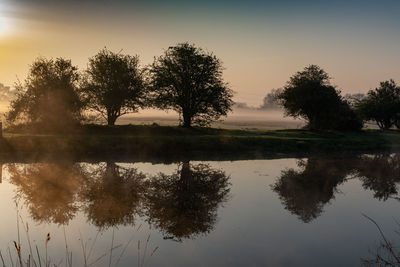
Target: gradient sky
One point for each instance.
(261, 43)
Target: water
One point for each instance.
(279, 212)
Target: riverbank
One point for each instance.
(169, 142)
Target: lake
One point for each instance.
(270, 212)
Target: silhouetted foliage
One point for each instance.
(271, 100)
(50, 191)
(114, 85)
(189, 81)
(382, 105)
(306, 192)
(113, 195)
(309, 95)
(49, 95)
(241, 105)
(185, 203)
(381, 174)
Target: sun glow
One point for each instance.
(4, 21)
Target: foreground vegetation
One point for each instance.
(167, 142)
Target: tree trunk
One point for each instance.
(111, 118)
(187, 120)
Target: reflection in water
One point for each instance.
(50, 191)
(305, 192)
(380, 174)
(113, 195)
(185, 203)
(182, 205)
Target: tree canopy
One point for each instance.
(114, 85)
(382, 105)
(310, 95)
(49, 95)
(271, 100)
(189, 81)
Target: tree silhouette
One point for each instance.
(271, 100)
(381, 174)
(382, 105)
(49, 95)
(113, 195)
(189, 81)
(49, 190)
(185, 203)
(309, 95)
(114, 85)
(306, 192)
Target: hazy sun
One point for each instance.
(2, 26)
(4, 21)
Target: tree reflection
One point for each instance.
(48, 190)
(113, 195)
(185, 203)
(306, 192)
(380, 173)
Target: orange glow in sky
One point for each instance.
(260, 46)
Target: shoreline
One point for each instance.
(166, 143)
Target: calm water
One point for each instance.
(283, 212)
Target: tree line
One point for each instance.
(310, 95)
(190, 81)
(185, 79)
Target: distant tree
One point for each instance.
(382, 105)
(241, 105)
(114, 85)
(49, 94)
(271, 100)
(309, 95)
(189, 81)
(353, 99)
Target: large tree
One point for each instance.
(113, 85)
(309, 95)
(382, 105)
(189, 81)
(49, 95)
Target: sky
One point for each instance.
(261, 43)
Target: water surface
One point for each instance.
(276, 212)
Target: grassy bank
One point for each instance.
(172, 142)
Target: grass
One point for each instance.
(23, 255)
(149, 141)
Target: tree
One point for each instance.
(189, 81)
(309, 95)
(382, 105)
(271, 100)
(114, 85)
(49, 95)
